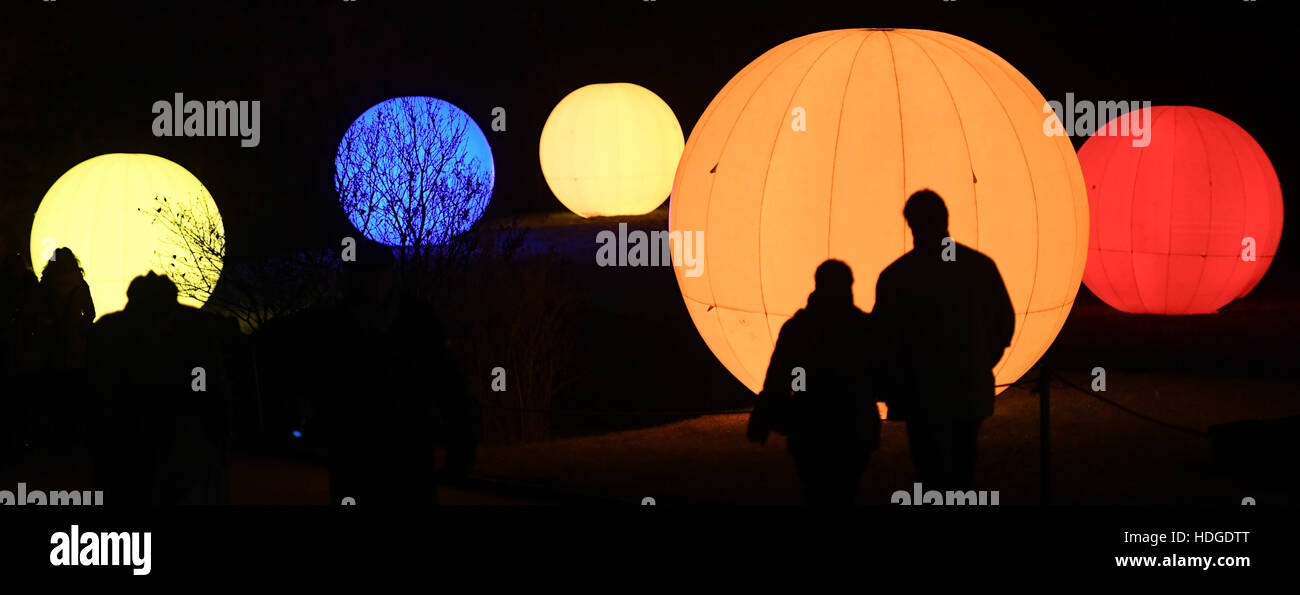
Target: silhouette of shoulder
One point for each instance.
(966, 257)
(797, 320)
(110, 323)
(972, 255)
(111, 319)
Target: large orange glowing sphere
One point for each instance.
(810, 153)
(1186, 214)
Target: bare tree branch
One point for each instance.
(406, 175)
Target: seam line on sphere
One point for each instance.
(1033, 190)
(961, 125)
(1209, 221)
(835, 154)
(717, 307)
(762, 192)
(1137, 168)
(708, 209)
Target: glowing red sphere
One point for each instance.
(1185, 210)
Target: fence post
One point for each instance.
(1045, 434)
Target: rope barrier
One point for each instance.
(664, 413)
(1125, 409)
(691, 413)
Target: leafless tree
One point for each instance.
(510, 307)
(408, 178)
(193, 256)
(407, 174)
(193, 247)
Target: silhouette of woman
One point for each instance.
(818, 392)
(64, 314)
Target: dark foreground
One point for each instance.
(637, 415)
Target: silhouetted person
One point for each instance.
(64, 313)
(67, 312)
(946, 319)
(18, 298)
(385, 385)
(19, 354)
(161, 401)
(817, 390)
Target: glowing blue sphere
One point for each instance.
(414, 171)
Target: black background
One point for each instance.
(494, 549)
(78, 78)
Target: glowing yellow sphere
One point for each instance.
(105, 210)
(810, 153)
(611, 149)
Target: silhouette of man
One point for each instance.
(945, 318)
(385, 384)
(162, 436)
(816, 390)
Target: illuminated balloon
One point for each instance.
(106, 209)
(611, 149)
(810, 153)
(1184, 224)
(414, 171)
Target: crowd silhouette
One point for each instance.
(146, 393)
(46, 332)
(117, 392)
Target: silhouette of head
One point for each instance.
(63, 263)
(150, 293)
(834, 282)
(927, 215)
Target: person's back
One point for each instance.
(158, 437)
(834, 410)
(66, 313)
(134, 375)
(945, 320)
(817, 390)
(950, 323)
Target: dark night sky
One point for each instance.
(78, 78)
